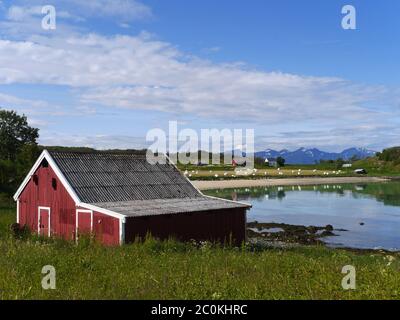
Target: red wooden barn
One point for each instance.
(119, 198)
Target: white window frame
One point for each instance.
(49, 211)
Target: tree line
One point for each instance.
(18, 149)
(390, 155)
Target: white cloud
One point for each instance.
(97, 141)
(24, 18)
(127, 10)
(41, 108)
(143, 73)
(23, 21)
(211, 50)
(24, 13)
(7, 100)
(17, 13)
(37, 122)
(26, 106)
(124, 10)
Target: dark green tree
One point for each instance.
(15, 133)
(18, 149)
(280, 161)
(390, 154)
(339, 163)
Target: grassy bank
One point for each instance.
(374, 169)
(172, 270)
(377, 167)
(229, 173)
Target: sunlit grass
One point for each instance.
(172, 270)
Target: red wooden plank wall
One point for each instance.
(62, 206)
(218, 226)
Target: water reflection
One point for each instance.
(388, 193)
(370, 212)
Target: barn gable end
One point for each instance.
(39, 193)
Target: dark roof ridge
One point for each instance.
(99, 152)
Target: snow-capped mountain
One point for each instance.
(312, 156)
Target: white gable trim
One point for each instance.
(46, 155)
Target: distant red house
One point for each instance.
(119, 198)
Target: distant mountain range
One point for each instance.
(312, 156)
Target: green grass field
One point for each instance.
(172, 270)
(229, 173)
(373, 166)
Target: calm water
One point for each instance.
(376, 206)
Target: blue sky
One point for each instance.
(113, 70)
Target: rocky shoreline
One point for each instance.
(262, 236)
(289, 234)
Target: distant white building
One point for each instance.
(347, 165)
(271, 162)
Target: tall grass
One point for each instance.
(172, 270)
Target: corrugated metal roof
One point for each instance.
(128, 184)
(104, 177)
(142, 208)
